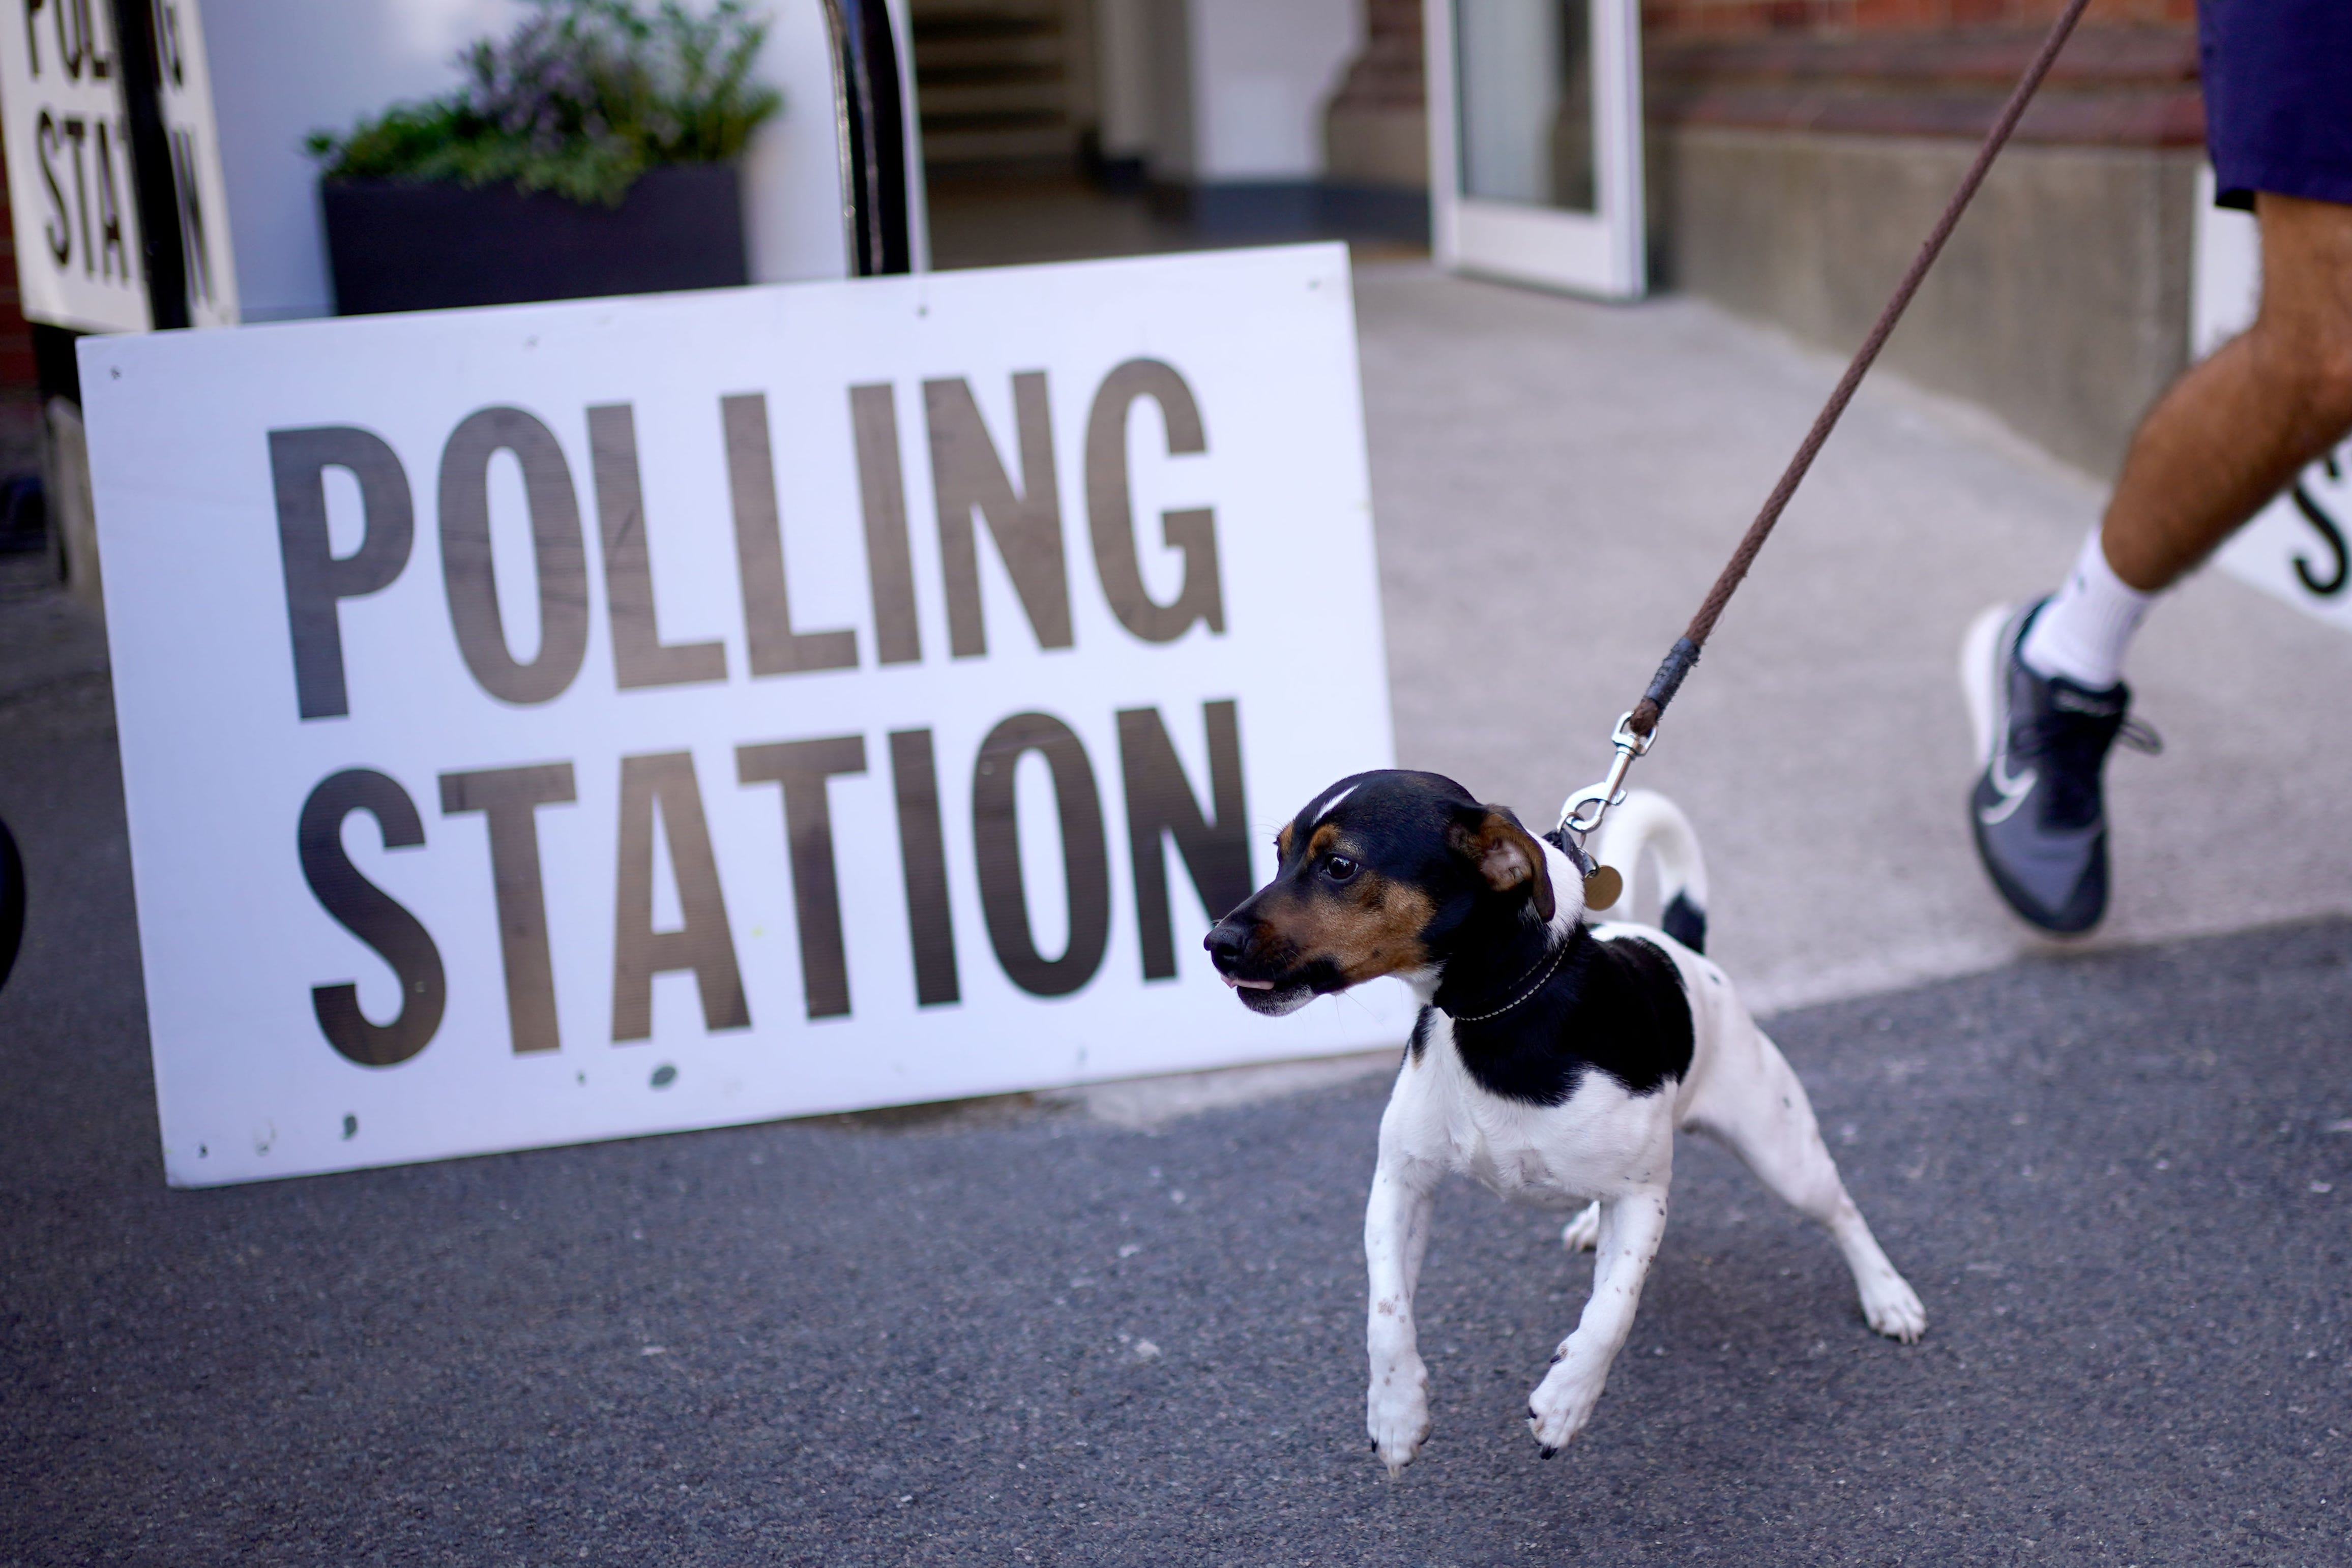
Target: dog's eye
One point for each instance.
(1339, 868)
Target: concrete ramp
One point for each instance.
(1557, 484)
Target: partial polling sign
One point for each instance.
(72, 179)
(561, 721)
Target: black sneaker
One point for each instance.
(2039, 822)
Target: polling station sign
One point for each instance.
(199, 185)
(66, 71)
(70, 185)
(561, 721)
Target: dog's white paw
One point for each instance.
(1583, 1234)
(1396, 1410)
(1561, 1406)
(1890, 1306)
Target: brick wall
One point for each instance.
(1924, 67)
(1718, 18)
(18, 381)
(1387, 74)
(1936, 67)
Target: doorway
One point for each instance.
(1006, 92)
(1535, 142)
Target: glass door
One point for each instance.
(1535, 128)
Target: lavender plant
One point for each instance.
(582, 98)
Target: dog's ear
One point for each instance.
(1506, 854)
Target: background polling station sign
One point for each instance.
(107, 112)
(563, 722)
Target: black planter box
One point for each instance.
(411, 245)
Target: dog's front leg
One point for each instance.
(1630, 1227)
(1396, 1236)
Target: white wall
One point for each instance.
(1123, 58)
(282, 69)
(1261, 75)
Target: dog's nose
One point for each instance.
(1225, 943)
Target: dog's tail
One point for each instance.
(1649, 822)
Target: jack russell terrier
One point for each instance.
(1553, 1060)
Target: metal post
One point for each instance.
(869, 112)
(164, 263)
(11, 903)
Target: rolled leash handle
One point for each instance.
(1671, 671)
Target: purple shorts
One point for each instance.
(2278, 97)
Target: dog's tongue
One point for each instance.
(1249, 985)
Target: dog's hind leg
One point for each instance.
(1752, 1104)
(1632, 1224)
(1583, 1234)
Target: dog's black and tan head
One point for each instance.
(1381, 874)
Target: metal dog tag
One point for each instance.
(1602, 886)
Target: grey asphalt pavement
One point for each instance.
(1090, 1329)
(1010, 1331)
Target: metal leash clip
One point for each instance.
(1611, 791)
(1582, 812)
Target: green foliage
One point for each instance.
(585, 96)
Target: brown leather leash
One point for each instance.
(1584, 810)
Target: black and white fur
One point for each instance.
(1553, 1059)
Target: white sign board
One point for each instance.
(198, 183)
(69, 183)
(72, 191)
(2295, 548)
(571, 721)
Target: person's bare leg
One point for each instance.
(2234, 431)
(2045, 680)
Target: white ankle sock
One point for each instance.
(2081, 631)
